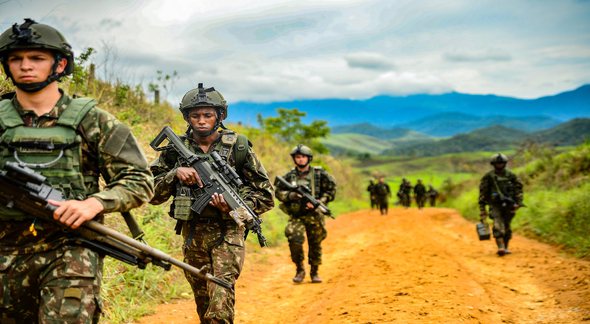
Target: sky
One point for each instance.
(281, 50)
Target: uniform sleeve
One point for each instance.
(518, 192)
(121, 162)
(257, 191)
(164, 178)
(484, 192)
(327, 187)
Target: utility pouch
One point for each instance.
(483, 231)
(182, 204)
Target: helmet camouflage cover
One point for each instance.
(498, 158)
(201, 97)
(32, 35)
(302, 149)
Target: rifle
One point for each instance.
(24, 189)
(305, 192)
(217, 177)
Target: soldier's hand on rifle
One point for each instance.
(483, 215)
(309, 205)
(189, 176)
(74, 213)
(219, 202)
(294, 196)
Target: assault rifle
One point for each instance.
(217, 177)
(305, 192)
(24, 189)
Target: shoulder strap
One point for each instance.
(316, 180)
(75, 112)
(236, 144)
(9, 117)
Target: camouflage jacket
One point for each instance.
(318, 180)
(257, 190)
(494, 186)
(109, 150)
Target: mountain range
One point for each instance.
(461, 112)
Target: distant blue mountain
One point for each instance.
(387, 111)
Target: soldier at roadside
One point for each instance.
(383, 193)
(431, 194)
(420, 194)
(303, 218)
(45, 276)
(212, 239)
(501, 190)
(372, 195)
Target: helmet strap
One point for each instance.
(38, 86)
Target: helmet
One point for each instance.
(32, 35)
(303, 150)
(201, 97)
(498, 158)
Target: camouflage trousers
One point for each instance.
(56, 286)
(383, 203)
(219, 247)
(314, 226)
(502, 218)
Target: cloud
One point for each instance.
(369, 61)
(477, 56)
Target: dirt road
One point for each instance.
(412, 266)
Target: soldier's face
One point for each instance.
(202, 120)
(31, 66)
(301, 160)
(499, 166)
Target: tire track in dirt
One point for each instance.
(410, 266)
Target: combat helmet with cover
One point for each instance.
(33, 35)
(498, 158)
(303, 150)
(201, 97)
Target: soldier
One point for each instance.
(45, 276)
(431, 194)
(372, 196)
(382, 193)
(502, 191)
(404, 193)
(420, 194)
(303, 218)
(212, 239)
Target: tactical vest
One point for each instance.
(185, 195)
(313, 182)
(55, 151)
(501, 185)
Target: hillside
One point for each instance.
(385, 111)
(378, 132)
(570, 133)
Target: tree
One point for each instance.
(288, 127)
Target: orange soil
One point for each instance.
(410, 266)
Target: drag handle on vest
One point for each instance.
(23, 189)
(217, 177)
(306, 194)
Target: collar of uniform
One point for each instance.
(302, 173)
(54, 113)
(196, 146)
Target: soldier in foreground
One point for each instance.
(46, 277)
(502, 191)
(212, 239)
(420, 194)
(303, 217)
(383, 193)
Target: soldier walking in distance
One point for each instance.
(404, 193)
(502, 191)
(431, 194)
(420, 194)
(212, 239)
(303, 218)
(372, 195)
(45, 276)
(383, 193)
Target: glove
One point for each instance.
(294, 196)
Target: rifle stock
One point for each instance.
(24, 189)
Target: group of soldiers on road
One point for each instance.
(47, 276)
(379, 194)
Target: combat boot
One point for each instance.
(506, 251)
(315, 278)
(501, 246)
(299, 274)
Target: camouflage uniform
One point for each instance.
(404, 193)
(372, 195)
(302, 220)
(432, 194)
(46, 278)
(493, 186)
(420, 194)
(382, 193)
(213, 240)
